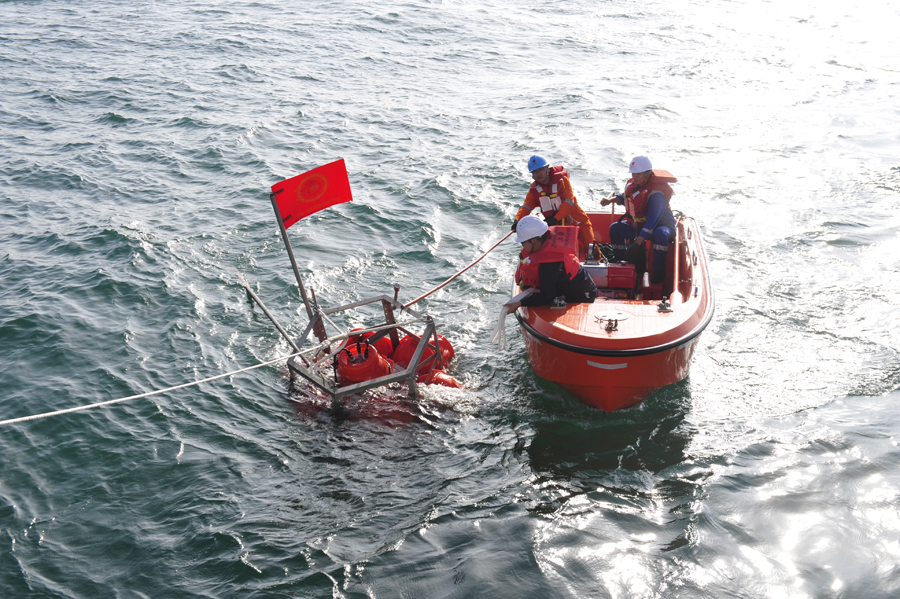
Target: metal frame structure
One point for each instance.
(314, 363)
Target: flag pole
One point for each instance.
(318, 328)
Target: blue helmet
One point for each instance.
(536, 162)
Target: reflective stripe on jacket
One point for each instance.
(637, 198)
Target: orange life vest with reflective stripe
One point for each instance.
(637, 199)
(548, 195)
(559, 247)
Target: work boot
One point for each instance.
(657, 277)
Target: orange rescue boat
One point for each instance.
(636, 337)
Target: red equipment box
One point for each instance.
(615, 275)
(621, 276)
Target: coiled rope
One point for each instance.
(607, 251)
(148, 394)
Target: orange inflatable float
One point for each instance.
(356, 364)
(383, 345)
(407, 347)
(438, 377)
(359, 361)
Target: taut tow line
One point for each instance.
(421, 297)
(148, 394)
(220, 376)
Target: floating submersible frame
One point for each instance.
(314, 363)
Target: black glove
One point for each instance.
(514, 225)
(635, 253)
(551, 222)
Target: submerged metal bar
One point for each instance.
(322, 315)
(312, 377)
(305, 334)
(389, 319)
(336, 392)
(437, 348)
(394, 377)
(265, 310)
(417, 357)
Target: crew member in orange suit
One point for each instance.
(552, 193)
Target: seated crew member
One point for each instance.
(553, 270)
(552, 192)
(646, 199)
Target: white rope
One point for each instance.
(115, 401)
(498, 335)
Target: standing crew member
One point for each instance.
(552, 192)
(646, 200)
(549, 266)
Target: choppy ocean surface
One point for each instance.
(137, 146)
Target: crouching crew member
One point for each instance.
(646, 201)
(552, 192)
(550, 267)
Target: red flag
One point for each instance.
(314, 190)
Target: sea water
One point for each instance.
(138, 143)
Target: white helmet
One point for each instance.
(530, 227)
(640, 164)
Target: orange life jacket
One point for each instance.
(548, 195)
(637, 198)
(561, 246)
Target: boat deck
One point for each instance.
(616, 324)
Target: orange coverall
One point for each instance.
(569, 212)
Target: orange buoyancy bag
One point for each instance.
(438, 377)
(356, 364)
(383, 345)
(404, 352)
(561, 246)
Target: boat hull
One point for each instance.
(651, 344)
(608, 383)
